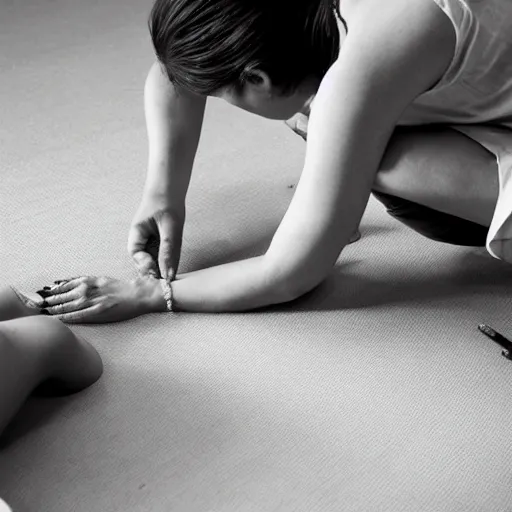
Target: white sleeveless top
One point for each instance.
(475, 97)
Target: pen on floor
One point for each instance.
(499, 339)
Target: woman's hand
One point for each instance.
(155, 237)
(100, 299)
(299, 124)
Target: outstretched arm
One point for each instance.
(386, 61)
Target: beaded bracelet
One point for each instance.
(166, 288)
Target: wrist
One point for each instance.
(150, 295)
(158, 176)
(165, 197)
(157, 187)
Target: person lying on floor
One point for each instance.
(407, 106)
(39, 353)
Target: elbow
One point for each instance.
(296, 288)
(290, 284)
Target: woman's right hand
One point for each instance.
(155, 237)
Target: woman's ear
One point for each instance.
(259, 80)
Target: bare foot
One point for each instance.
(14, 304)
(68, 362)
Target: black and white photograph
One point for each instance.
(255, 256)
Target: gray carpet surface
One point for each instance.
(375, 392)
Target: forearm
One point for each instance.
(173, 121)
(238, 286)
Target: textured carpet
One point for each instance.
(373, 393)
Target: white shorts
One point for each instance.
(497, 140)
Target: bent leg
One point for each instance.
(22, 368)
(39, 349)
(442, 170)
(436, 225)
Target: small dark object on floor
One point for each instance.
(499, 339)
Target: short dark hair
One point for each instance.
(208, 45)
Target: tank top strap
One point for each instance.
(463, 23)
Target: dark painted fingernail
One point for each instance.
(45, 312)
(43, 293)
(58, 282)
(46, 288)
(45, 304)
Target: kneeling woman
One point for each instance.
(408, 99)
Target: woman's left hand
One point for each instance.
(91, 299)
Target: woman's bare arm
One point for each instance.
(173, 120)
(385, 63)
(387, 60)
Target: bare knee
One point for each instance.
(28, 338)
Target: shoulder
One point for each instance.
(417, 11)
(419, 15)
(415, 35)
(393, 52)
(423, 19)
